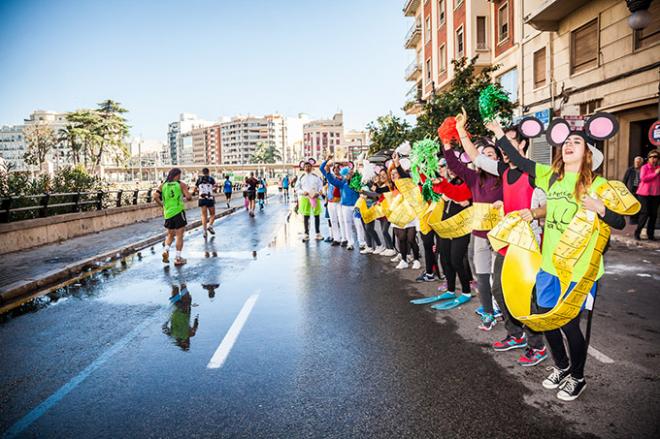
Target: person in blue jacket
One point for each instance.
(348, 199)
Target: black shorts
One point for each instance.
(177, 221)
(261, 195)
(206, 202)
(252, 195)
(228, 195)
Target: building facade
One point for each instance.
(324, 136)
(356, 143)
(12, 147)
(241, 136)
(179, 138)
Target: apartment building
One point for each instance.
(355, 143)
(206, 145)
(580, 57)
(241, 136)
(324, 136)
(179, 138)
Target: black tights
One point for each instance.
(577, 346)
(430, 256)
(407, 239)
(452, 259)
(317, 224)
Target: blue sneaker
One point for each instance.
(479, 311)
(497, 313)
(532, 357)
(487, 322)
(460, 300)
(426, 300)
(510, 342)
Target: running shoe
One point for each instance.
(426, 300)
(319, 237)
(166, 257)
(366, 251)
(349, 247)
(571, 388)
(556, 377)
(425, 277)
(397, 258)
(227, 205)
(416, 265)
(532, 357)
(179, 261)
(206, 235)
(328, 239)
(479, 311)
(497, 313)
(305, 237)
(378, 250)
(363, 246)
(460, 300)
(510, 342)
(402, 265)
(344, 243)
(336, 243)
(210, 230)
(487, 322)
(388, 252)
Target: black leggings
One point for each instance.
(430, 256)
(407, 239)
(317, 224)
(452, 259)
(577, 346)
(371, 236)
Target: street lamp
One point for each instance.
(640, 16)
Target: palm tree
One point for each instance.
(265, 153)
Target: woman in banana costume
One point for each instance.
(575, 234)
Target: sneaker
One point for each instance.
(319, 237)
(366, 251)
(479, 311)
(227, 205)
(179, 261)
(388, 252)
(204, 234)
(497, 313)
(378, 250)
(510, 342)
(328, 239)
(402, 265)
(571, 388)
(336, 243)
(363, 246)
(532, 357)
(349, 247)
(344, 243)
(210, 230)
(425, 277)
(397, 258)
(166, 257)
(487, 322)
(556, 377)
(409, 258)
(305, 237)
(416, 265)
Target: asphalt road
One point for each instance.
(307, 340)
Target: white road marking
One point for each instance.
(598, 355)
(221, 354)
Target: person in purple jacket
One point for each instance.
(485, 188)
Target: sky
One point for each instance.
(211, 58)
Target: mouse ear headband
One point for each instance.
(309, 161)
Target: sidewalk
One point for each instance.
(21, 273)
(627, 238)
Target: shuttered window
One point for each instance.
(460, 43)
(584, 47)
(539, 68)
(481, 33)
(651, 33)
(503, 22)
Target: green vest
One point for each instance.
(172, 199)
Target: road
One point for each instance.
(307, 340)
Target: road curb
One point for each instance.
(633, 243)
(22, 288)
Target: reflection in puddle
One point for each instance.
(211, 289)
(178, 325)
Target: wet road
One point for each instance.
(278, 339)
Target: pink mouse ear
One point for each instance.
(301, 164)
(557, 132)
(351, 165)
(601, 126)
(387, 164)
(530, 127)
(311, 161)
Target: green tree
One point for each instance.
(40, 140)
(463, 92)
(388, 132)
(265, 153)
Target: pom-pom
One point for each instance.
(447, 131)
(427, 191)
(424, 159)
(344, 171)
(491, 99)
(356, 182)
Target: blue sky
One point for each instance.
(212, 58)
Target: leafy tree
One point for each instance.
(463, 92)
(40, 139)
(265, 153)
(388, 132)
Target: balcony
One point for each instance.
(414, 103)
(413, 71)
(550, 13)
(410, 7)
(414, 34)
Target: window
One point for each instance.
(481, 33)
(441, 12)
(584, 47)
(509, 82)
(443, 58)
(458, 3)
(503, 22)
(460, 43)
(590, 107)
(427, 36)
(539, 68)
(428, 69)
(651, 33)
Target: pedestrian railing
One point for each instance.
(23, 207)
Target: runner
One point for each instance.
(228, 189)
(285, 187)
(261, 193)
(251, 183)
(170, 195)
(204, 186)
(309, 187)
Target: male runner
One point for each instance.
(261, 193)
(204, 186)
(170, 195)
(285, 187)
(251, 183)
(228, 189)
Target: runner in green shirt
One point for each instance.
(170, 195)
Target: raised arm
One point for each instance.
(457, 192)
(468, 146)
(457, 167)
(525, 164)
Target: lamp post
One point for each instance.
(640, 16)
